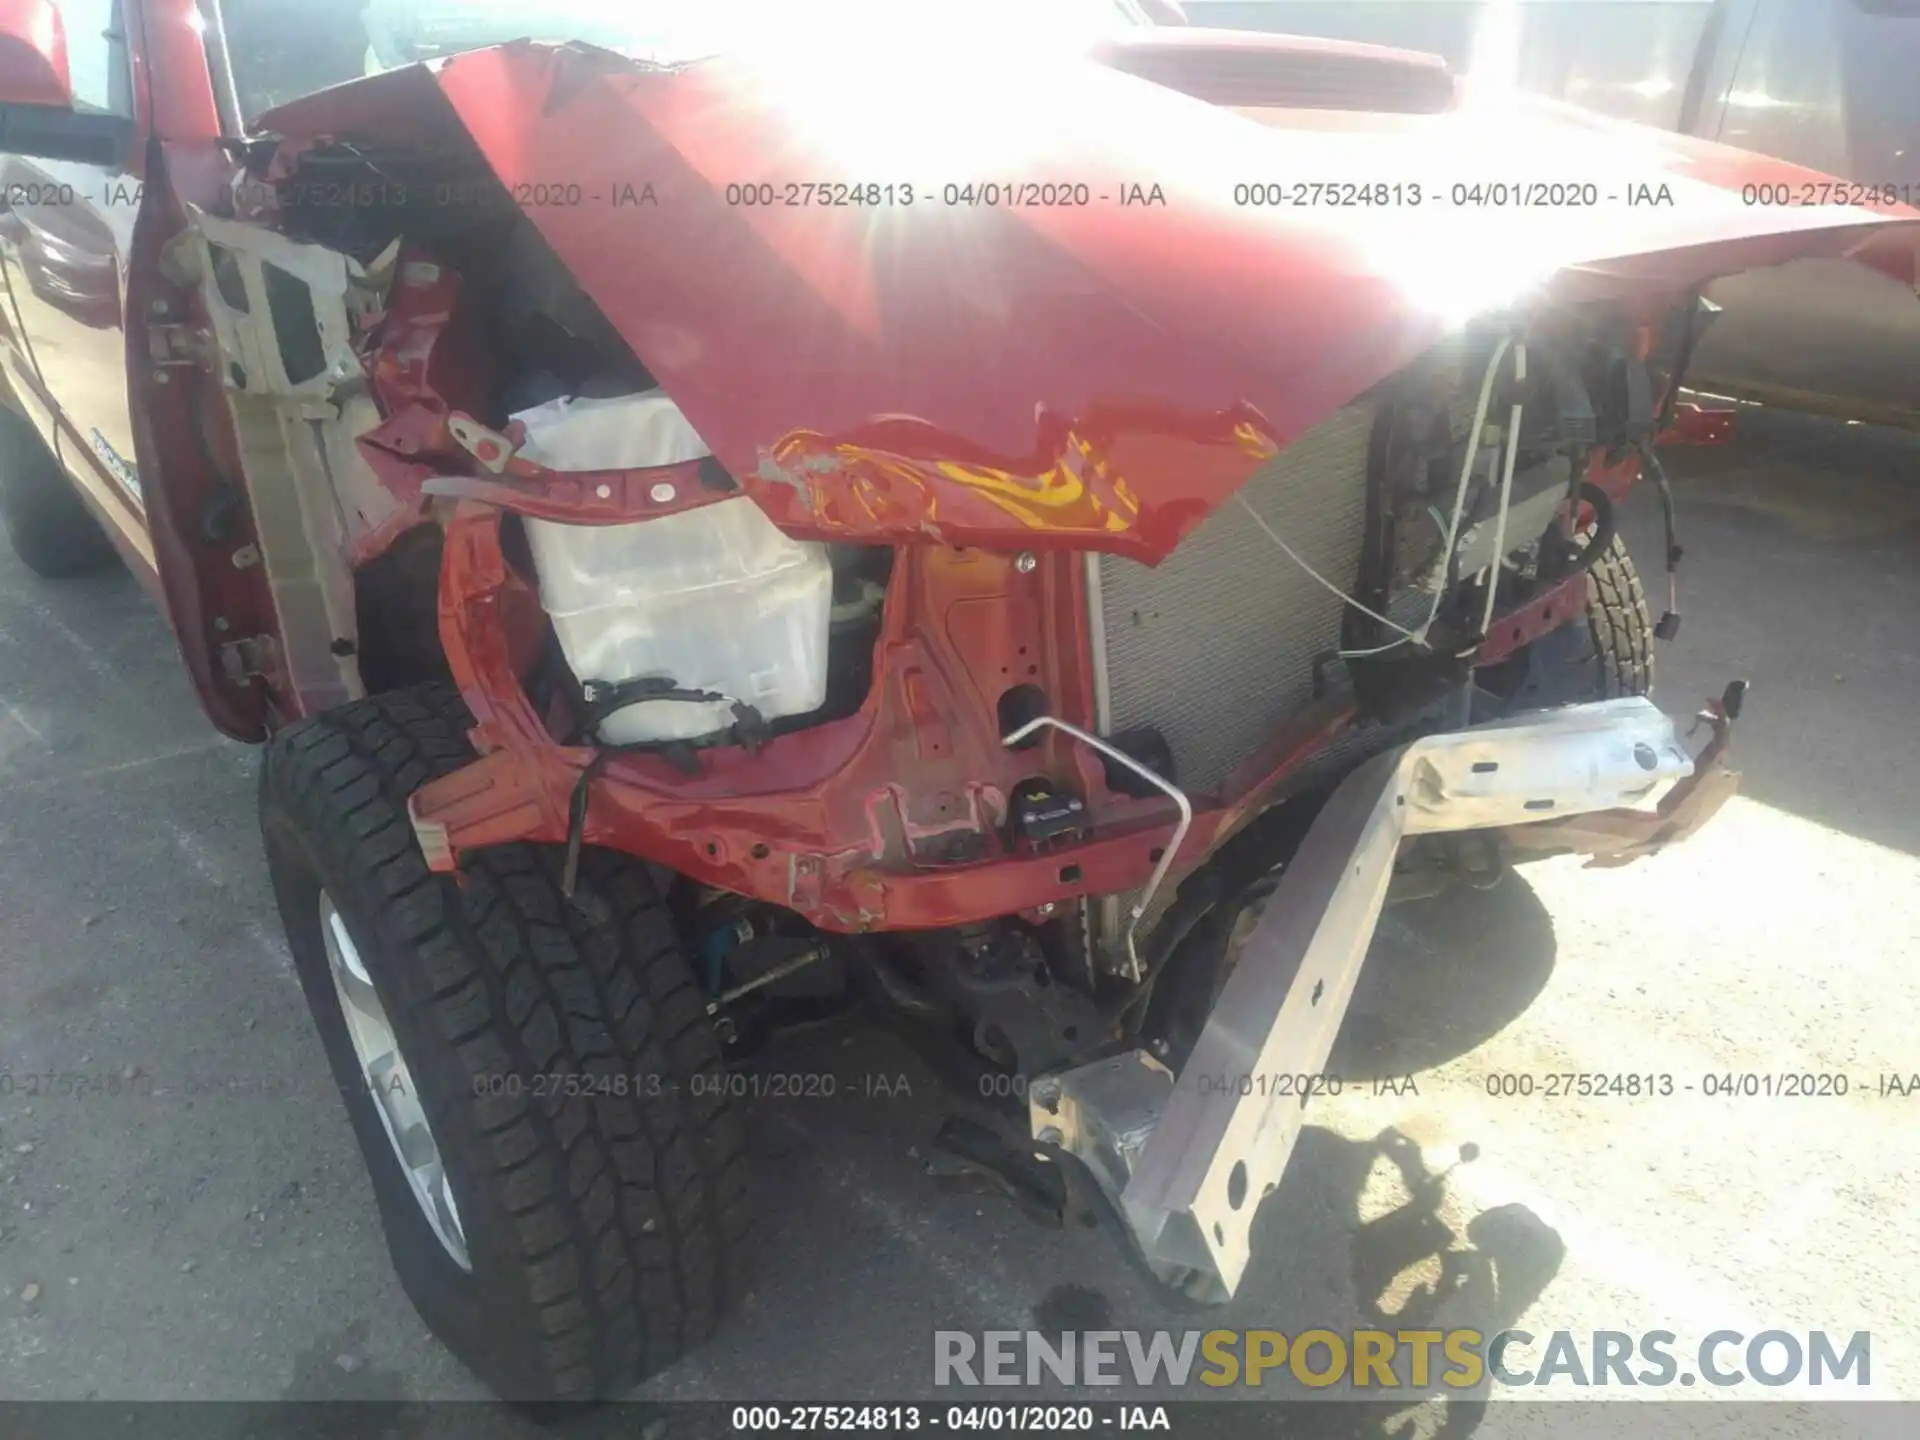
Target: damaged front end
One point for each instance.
(1186, 1158)
(1011, 584)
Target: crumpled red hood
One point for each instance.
(890, 365)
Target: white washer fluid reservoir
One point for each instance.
(711, 599)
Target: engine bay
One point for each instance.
(407, 343)
(1455, 495)
(466, 311)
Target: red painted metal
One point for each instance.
(33, 55)
(889, 819)
(417, 459)
(432, 352)
(171, 75)
(431, 367)
(1696, 424)
(1520, 627)
(1566, 601)
(1613, 477)
(589, 497)
(860, 400)
(1076, 376)
(998, 377)
(183, 435)
(1054, 377)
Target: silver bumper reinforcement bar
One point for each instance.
(1185, 1163)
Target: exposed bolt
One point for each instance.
(605, 492)
(160, 377)
(158, 307)
(1025, 562)
(1050, 1136)
(662, 493)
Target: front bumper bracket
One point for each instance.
(1187, 1159)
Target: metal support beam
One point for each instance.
(1188, 1160)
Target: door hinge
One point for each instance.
(170, 344)
(256, 657)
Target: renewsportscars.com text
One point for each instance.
(1373, 1360)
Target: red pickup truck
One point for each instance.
(1048, 533)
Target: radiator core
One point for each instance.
(1215, 646)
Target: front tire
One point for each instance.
(51, 529)
(1606, 658)
(1618, 623)
(566, 1079)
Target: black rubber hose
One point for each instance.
(1603, 531)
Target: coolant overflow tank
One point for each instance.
(712, 599)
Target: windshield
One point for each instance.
(282, 49)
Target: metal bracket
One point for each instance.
(1219, 1139)
(1167, 852)
(1103, 1112)
(256, 657)
(169, 344)
(491, 448)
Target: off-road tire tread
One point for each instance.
(629, 1211)
(1622, 631)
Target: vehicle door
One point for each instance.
(67, 204)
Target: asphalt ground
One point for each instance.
(207, 1232)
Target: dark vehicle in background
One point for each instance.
(1830, 84)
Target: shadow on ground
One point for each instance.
(1362, 1234)
(1445, 974)
(1484, 1279)
(1801, 573)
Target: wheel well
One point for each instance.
(396, 598)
